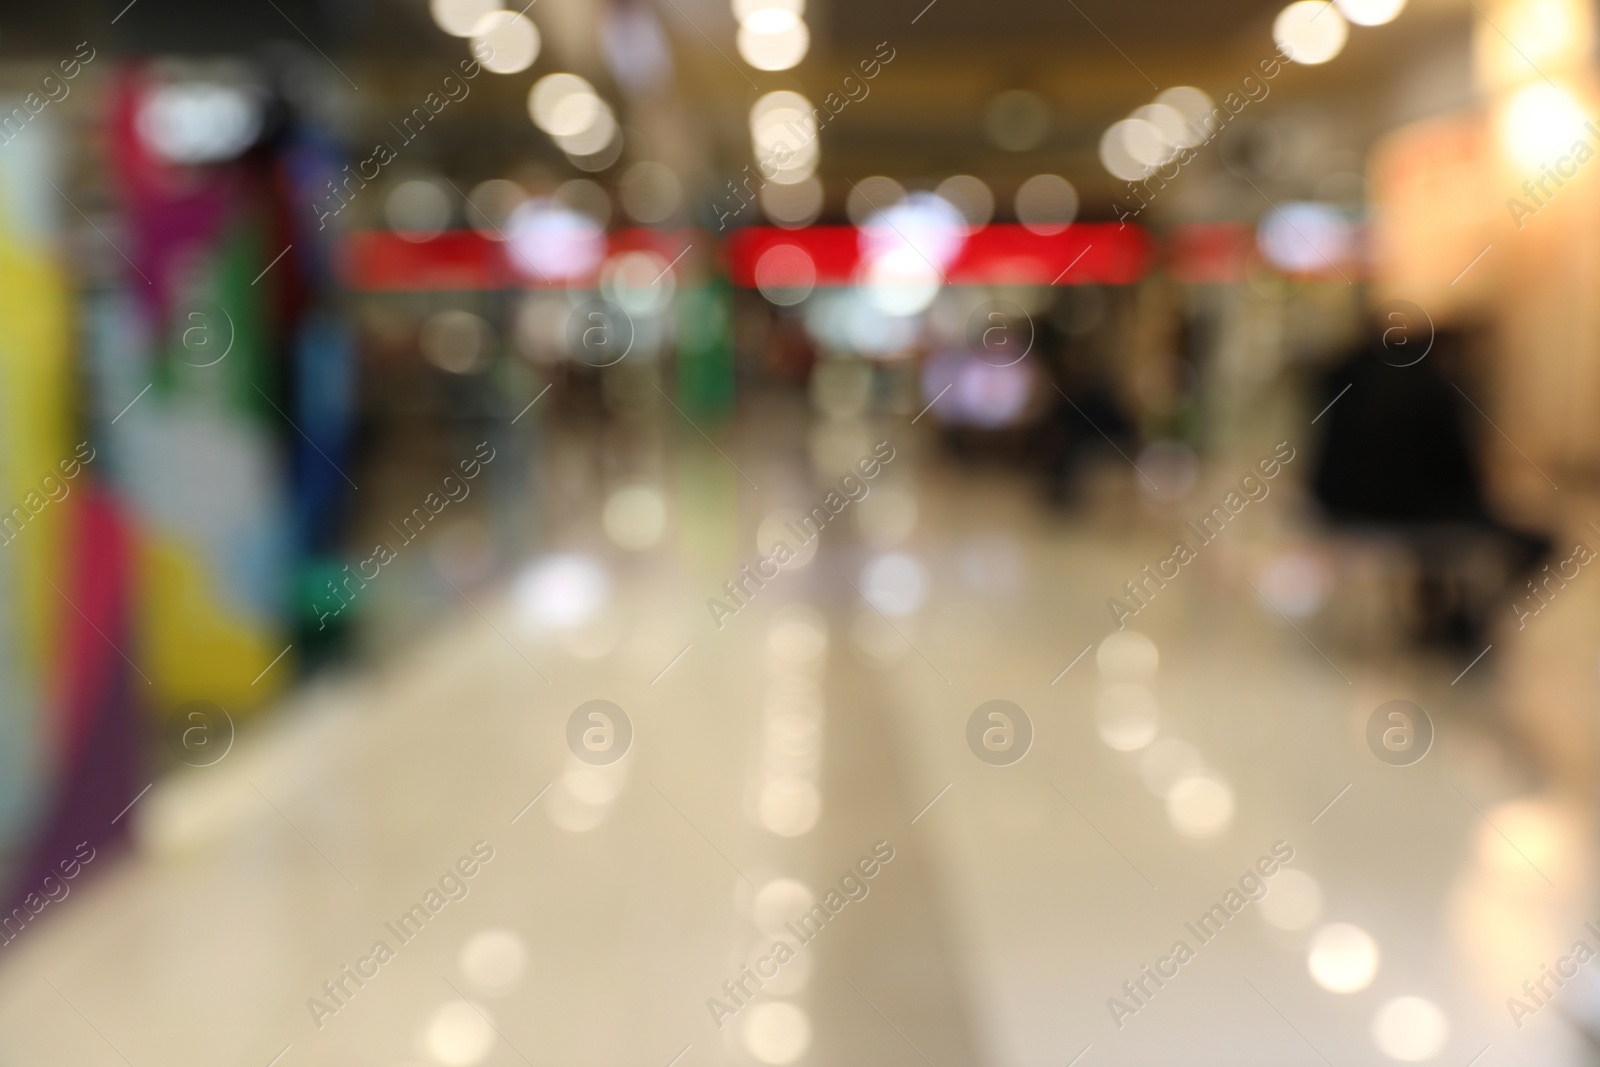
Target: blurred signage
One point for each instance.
(381, 261)
(1086, 254)
(1090, 253)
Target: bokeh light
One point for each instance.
(969, 195)
(773, 38)
(792, 205)
(1410, 1029)
(1343, 958)
(785, 274)
(1540, 123)
(1046, 203)
(1370, 12)
(507, 41)
(635, 517)
(1293, 902)
(459, 1034)
(494, 960)
(1200, 806)
(1310, 31)
(461, 18)
(1127, 715)
(561, 592)
(775, 1031)
(417, 210)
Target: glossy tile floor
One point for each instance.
(542, 900)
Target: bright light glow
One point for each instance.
(921, 223)
(458, 1034)
(782, 117)
(460, 18)
(563, 104)
(1310, 31)
(599, 160)
(1545, 31)
(783, 135)
(1540, 123)
(970, 196)
(1303, 237)
(901, 282)
(895, 583)
(1343, 958)
(1294, 901)
(493, 959)
(1127, 656)
(1370, 12)
(785, 274)
(199, 122)
(1144, 142)
(743, 9)
(635, 517)
(1200, 806)
(1115, 155)
(1193, 104)
(1127, 716)
(550, 240)
(1047, 203)
(1519, 40)
(594, 138)
(1173, 126)
(773, 38)
(561, 592)
(1546, 837)
(1410, 1029)
(511, 40)
(799, 167)
(775, 1031)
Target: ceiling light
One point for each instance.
(510, 40)
(1370, 12)
(1310, 31)
(773, 38)
(460, 18)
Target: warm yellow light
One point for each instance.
(1521, 41)
(1370, 12)
(773, 38)
(1310, 31)
(1540, 123)
(1343, 958)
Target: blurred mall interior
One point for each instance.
(673, 533)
